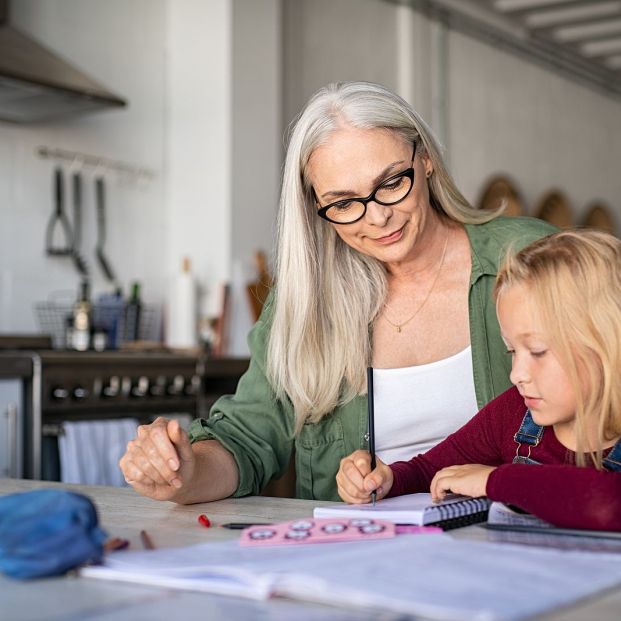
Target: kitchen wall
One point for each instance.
(213, 83)
(179, 64)
(122, 44)
(506, 114)
(494, 112)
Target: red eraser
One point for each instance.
(203, 520)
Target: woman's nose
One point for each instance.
(377, 214)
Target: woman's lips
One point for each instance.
(390, 239)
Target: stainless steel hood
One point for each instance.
(37, 85)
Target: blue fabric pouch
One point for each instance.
(48, 532)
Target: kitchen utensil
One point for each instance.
(78, 259)
(58, 220)
(100, 199)
(554, 208)
(498, 190)
(259, 289)
(599, 216)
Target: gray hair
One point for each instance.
(327, 294)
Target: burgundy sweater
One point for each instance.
(556, 491)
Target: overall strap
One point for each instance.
(529, 433)
(612, 461)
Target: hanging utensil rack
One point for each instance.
(95, 161)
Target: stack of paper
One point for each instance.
(433, 576)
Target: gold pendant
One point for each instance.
(398, 328)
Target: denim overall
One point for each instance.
(530, 433)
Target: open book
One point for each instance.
(417, 509)
(503, 517)
(432, 575)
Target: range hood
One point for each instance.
(37, 85)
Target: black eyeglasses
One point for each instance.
(389, 192)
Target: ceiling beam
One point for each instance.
(554, 17)
(569, 34)
(524, 5)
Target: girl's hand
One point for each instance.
(355, 480)
(469, 480)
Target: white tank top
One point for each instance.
(417, 407)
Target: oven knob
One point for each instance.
(158, 388)
(193, 386)
(111, 389)
(176, 388)
(80, 393)
(59, 393)
(126, 386)
(141, 389)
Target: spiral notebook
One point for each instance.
(419, 509)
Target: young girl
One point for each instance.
(550, 445)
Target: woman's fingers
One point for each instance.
(151, 463)
(380, 480)
(356, 481)
(157, 445)
(350, 477)
(135, 474)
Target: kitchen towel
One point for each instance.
(90, 451)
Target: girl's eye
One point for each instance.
(538, 354)
(344, 206)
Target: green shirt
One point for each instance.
(258, 429)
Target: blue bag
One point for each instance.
(48, 532)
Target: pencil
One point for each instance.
(147, 542)
(371, 425)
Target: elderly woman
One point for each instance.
(380, 261)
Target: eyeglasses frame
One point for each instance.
(408, 172)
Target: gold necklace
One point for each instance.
(398, 326)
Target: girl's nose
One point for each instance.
(519, 371)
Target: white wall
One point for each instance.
(494, 112)
(257, 146)
(336, 40)
(508, 115)
(173, 61)
(211, 85)
(121, 44)
(198, 129)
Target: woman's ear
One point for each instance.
(427, 164)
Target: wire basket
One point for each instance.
(113, 319)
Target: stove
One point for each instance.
(61, 386)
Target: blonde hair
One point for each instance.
(328, 294)
(574, 278)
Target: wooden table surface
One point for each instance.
(123, 513)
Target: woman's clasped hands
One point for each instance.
(160, 461)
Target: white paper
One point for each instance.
(433, 576)
(416, 509)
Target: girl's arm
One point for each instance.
(564, 495)
(479, 441)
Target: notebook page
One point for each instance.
(408, 509)
(434, 576)
(499, 513)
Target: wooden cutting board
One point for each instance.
(260, 288)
